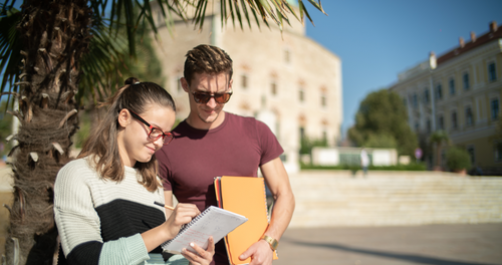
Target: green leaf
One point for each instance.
(317, 5)
(246, 14)
(238, 13)
(10, 49)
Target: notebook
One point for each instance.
(245, 196)
(213, 221)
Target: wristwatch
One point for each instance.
(271, 241)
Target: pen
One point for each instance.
(165, 206)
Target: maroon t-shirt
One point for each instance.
(189, 164)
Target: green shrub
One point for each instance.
(457, 159)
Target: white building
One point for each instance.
(459, 92)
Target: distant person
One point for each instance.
(211, 142)
(104, 200)
(365, 161)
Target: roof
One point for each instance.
(479, 41)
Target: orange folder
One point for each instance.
(245, 196)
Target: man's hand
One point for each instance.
(260, 253)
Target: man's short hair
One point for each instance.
(207, 59)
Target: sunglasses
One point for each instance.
(204, 97)
(155, 132)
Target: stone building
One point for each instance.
(459, 92)
(287, 80)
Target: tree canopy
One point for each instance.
(381, 122)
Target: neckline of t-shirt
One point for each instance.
(210, 131)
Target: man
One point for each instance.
(211, 142)
(365, 161)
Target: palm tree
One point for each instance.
(438, 139)
(53, 53)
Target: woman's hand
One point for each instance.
(203, 257)
(182, 214)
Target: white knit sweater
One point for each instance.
(100, 220)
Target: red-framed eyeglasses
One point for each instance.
(155, 132)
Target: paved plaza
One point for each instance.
(452, 244)
(437, 244)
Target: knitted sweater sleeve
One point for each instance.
(79, 225)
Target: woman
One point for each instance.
(104, 200)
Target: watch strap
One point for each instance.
(271, 241)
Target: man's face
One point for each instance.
(204, 114)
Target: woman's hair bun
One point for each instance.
(131, 81)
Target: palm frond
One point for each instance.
(237, 11)
(246, 13)
(106, 51)
(10, 49)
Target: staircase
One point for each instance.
(337, 198)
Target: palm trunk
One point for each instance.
(56, 34)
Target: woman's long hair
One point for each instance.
(102, 144)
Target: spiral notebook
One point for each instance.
(213, 221)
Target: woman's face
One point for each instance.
(134, 143)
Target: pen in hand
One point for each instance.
(165, 206)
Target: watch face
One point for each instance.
(272, 242)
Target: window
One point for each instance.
(287, 56)
(495, 109)
(492, 73)
(441, 122)
(498, 151)
(454, 123)
(452, 87)
(468, 116)
(301, 95)
(160, 18)
(426, 96)
(323, 99)
(415, 100)
(273, 88)
(439, 92)
(178, 84)
(465, 79)
(472, 154)
(302, 133)
(244, 81)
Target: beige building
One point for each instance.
(287, 80)
(460, 92)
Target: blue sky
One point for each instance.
(376, 40)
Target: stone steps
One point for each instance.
(387, 198)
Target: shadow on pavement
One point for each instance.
(411, 258)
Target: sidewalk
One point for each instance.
(452, 244)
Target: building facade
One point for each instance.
(285, 79)
(460, 93)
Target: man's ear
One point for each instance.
(230, 84)
(184, 84)
(124, 118)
